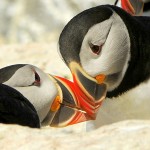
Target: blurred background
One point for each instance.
(29, 31)
(26, 21)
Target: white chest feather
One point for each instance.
(134, 104)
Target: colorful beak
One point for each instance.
(77, 101)
(133, 7)
(65, 109)
(91, 91)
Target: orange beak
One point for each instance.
(76, 103)
(133, 7)
(68, 107)
(90, 92)
(79, 100)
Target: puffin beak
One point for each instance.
(90, 91)
(65, 109)
(77, 101)
(133, 7)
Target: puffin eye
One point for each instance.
(37, 79)
(96, 49)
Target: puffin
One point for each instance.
(108, 46)
(30, 97)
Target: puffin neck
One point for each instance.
(139, 61)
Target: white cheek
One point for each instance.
(41, 96)
(22, 77)
(115, 52)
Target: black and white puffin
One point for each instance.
(30, 97)
(105, 44)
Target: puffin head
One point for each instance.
(95, 45)
(54, 98)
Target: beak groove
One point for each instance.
(90, 92)
(80, 100)
(70, 111)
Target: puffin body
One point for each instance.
(111, 47)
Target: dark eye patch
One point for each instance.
(7, 72)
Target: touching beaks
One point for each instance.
(133, 7)
(65, 109)
(77, 101)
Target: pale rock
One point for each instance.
(127, 135)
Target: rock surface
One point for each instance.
(128, 135)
